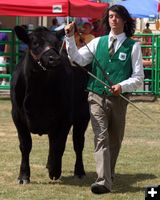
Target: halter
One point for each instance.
(37, 58)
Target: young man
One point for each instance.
(122, 63)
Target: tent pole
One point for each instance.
(141, 25)
(17, 20)
(67, 19)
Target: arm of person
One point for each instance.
(6, 50)
(137, 77)
(84, 55)
(6, 47)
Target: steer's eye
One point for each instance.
(35, 44)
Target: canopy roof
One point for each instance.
(61, 8)
(141, 8)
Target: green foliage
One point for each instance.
(138, 164)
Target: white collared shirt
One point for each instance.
(84, 56)
(119, 40)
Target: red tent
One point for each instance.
(73, 8)
(158, 7)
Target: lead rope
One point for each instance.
(60, 51)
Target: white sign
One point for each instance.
(57, 8)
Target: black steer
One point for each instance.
(48, 97)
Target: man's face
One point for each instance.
(87, 28)
(116, 22)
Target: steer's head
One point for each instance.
(43, 47)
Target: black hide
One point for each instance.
(48, 97)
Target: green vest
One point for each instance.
(118, 68)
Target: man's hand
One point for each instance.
(116, 89)
(69, 29)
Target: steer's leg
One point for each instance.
(25, 148)
(79, 129)
(81, 117)
(25, 145)
(57, 142)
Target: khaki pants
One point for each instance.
(108, 123)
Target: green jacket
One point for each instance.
(118, 68)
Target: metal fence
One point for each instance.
(150, 44)
(10, 61)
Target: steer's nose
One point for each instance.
(54, 60)
(51, 59)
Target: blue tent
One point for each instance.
(141, 8)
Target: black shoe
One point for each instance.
(99, 189)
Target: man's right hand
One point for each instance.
(69, 29)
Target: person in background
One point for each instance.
(84, 36)
(120, 59)
(97, 28)
(54, 24)
(147, 30)
(3, 58)
(147, 40)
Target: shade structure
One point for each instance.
(61, 8)
(158, 6)
(141, 8)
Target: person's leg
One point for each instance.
(116, 129)
(3, 70)
(99, 120)
(3, 79)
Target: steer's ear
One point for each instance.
(21, 34)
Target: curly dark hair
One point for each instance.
(129, 27)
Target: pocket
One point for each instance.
(90, 96)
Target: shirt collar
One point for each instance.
(118, 37)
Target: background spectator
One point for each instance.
(3, 58)
(97, 29)
(54, 24)
(84, 35)
(147, 40)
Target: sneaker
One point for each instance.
(3, 83)
(99, 189)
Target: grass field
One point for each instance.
(138, 165)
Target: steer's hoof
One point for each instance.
(79, 176)
(54, 176)
(79, 171)
(47, 166)
(23, 181)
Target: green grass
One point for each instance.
(138, 164)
